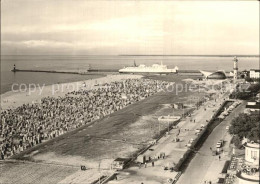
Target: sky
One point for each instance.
(84, 27)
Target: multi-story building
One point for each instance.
(254, 74)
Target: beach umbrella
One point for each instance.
(3, 120)
(123, 96)
(16, 140)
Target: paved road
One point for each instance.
(201, 164)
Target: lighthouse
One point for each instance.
(235, 68)
(14, 69)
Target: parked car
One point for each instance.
(190, 142)
(220, 144)
(198, 130)
(227, 127)
(221, 141)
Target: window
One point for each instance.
(253, 154)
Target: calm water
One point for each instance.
(103, 62)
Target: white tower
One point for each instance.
(235, 68)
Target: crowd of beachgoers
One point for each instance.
(31, 124)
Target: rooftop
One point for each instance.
(252, 145)
(256, 70)
(257, 106)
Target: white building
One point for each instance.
(253, 106)
(250, 172)
(254, 74)
(252, 153)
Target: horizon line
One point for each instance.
(209, 55)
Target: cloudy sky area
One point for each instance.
(130, 27)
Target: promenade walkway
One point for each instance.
(204, 166)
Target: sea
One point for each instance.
(84, 62)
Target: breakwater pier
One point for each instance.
(95, 71)
(87, 72)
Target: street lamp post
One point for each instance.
(99, 167)
(99, 170)
(159, 127)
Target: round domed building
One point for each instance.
(214, 75)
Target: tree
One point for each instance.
(246, 126)
(248, 79)
(236, 141)
(246, 93)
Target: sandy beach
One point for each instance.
(16, 98)
(82, 146)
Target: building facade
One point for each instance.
(254, 74)
(253, 106)
(252, 153)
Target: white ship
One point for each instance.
(155, 68)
